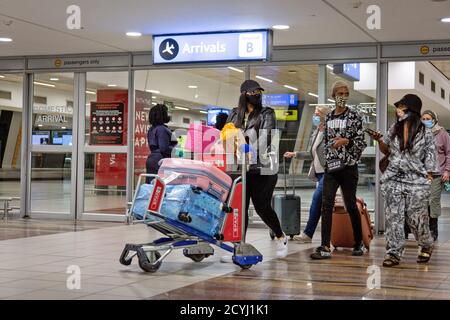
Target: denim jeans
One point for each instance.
(316, 208)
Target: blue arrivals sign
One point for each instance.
(350, 71)
(275, 100)
(253, 45)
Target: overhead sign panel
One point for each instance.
(253, 45)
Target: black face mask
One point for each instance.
(254, 100)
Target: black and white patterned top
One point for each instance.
(411, 166)
(348, 125)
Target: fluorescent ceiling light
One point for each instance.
(1, 76)
(154, 103)
(181, 108)
(196, 96)
(331, 100)
(5, 39)
(235, 69)
(445, 20)
(44, 84)
(320, 104)
(40, 125)
(205, 112)
(54, 79)
(313, 94)
(112, 85)
(134, 34)
(264, 79)
(281, 27)
(374, 114)
(154, 97)
(289, 87)
(330, 67)
(192, 87)
(91, 92)
(63, 128)
(370, 103)
(153, 91)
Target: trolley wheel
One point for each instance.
(292, 237)
(245, 266)
(123, 258)
(271, 234)
(198, 257)
(147, 260)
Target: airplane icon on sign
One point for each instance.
(169, 48)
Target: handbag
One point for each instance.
(335, 165)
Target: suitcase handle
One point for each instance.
(285, 181)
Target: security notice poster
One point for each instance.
(107, 123)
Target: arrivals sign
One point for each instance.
(275, 100)
(253, 45)
(107, 123)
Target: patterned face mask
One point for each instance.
(341, 101)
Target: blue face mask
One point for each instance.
(316, 121)
(428, 123)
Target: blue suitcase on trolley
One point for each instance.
(185, 204)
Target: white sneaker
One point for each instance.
(303, 238)
(282, 245)
(228, 258)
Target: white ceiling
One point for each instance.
(39, 27)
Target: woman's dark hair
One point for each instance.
(158, 115)
(414, 126)
(221, 120)
(242, 109)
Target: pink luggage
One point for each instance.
(197, 173)
(201, 138)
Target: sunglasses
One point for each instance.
(254, 93)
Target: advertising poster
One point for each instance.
(110, 168)
(141, 150)
(107, 123)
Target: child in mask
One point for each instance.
(316, 172)
(442, 141)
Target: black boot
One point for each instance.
(434, 228)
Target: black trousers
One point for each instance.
(347, 179)
(260, 189)
(152, 165)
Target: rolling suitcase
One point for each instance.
(288, 208)
(342, 231)
(184, 204)
(198, 173)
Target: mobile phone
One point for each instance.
(371, 132)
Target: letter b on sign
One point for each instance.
(251, 45)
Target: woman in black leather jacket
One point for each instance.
(257, 122)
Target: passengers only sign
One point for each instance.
(209, 47)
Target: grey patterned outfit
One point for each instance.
(406, 190)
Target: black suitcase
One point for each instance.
(288, 209)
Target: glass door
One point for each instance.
(102, 157)
(52, 146)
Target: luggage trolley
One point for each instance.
(196, 245)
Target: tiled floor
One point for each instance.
(36, 268)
